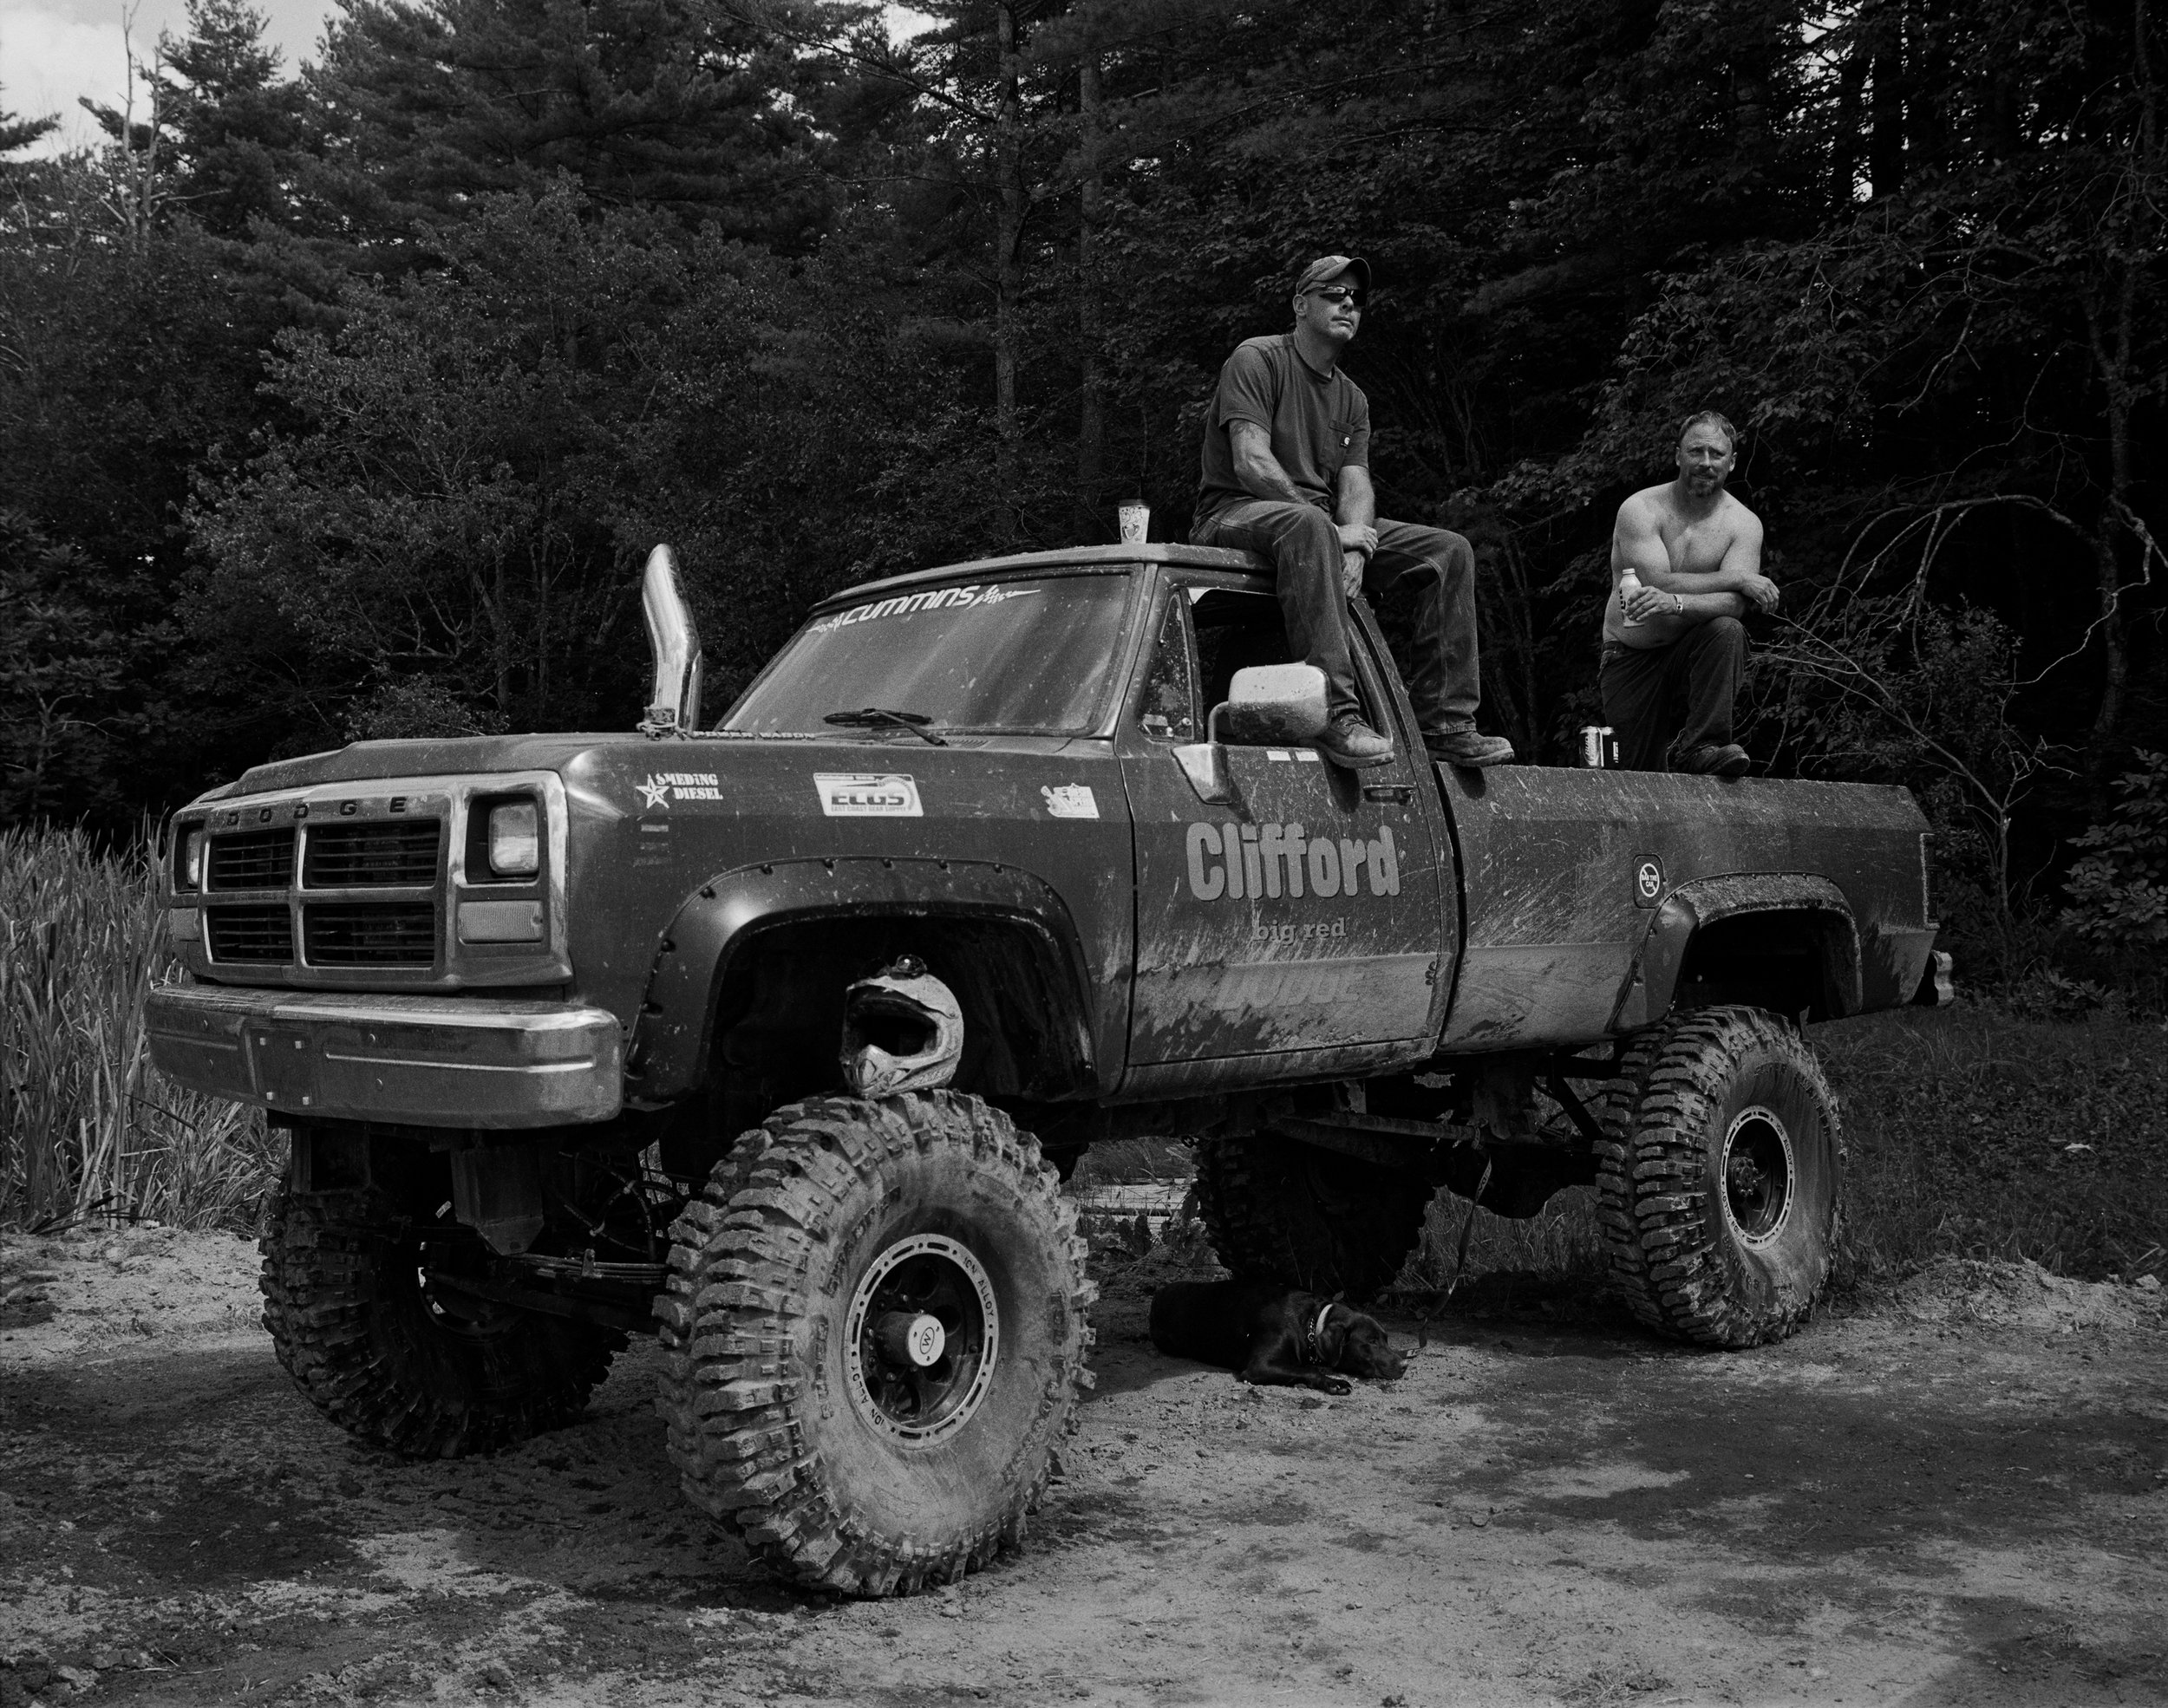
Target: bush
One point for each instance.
(2118, 888)
(91, 1128)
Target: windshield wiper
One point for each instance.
(880, 717)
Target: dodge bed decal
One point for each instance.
(1234, 860)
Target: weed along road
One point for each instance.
(1961, 1498)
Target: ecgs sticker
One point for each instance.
(867, 795)
(1069, 800)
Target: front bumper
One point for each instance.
(430, 1061)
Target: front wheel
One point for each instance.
(875, 1339)
(1729, 1200)
(396, 1359)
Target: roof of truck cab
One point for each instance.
(1075, 556)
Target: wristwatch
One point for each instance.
(1678, 606)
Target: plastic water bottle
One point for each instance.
(1629, 586)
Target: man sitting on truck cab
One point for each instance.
(1287, 453)
(1686, 562)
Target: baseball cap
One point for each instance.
(1330, 267)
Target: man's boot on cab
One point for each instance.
(1352, 744)
(1463, 745)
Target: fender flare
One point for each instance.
(1652, 981)
(674, 1034)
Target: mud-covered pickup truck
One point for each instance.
(772, 1037)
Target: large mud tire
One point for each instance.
(1327, 1224)
(1617, 1107)
(801, 1437)
(429, 1375)
(1736, 1181)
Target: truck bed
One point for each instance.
(1573, 881)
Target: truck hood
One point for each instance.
(450, 756)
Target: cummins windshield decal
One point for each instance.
(1230, 861)
(858, 794)
(933, 599)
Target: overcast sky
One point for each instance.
(52, 51)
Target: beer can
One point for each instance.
(1599, 747)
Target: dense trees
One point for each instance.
(346, 403)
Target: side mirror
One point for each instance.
(1269, 704)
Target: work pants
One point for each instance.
(1671, 699)
(1437, 568)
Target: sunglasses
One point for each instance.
(1340, 295)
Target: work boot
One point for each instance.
(1352, 744)
(1710, 761)
(1463, 746)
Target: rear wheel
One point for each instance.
(399, 1361)
(1732, 1196)
(875, 1336)
(1616, 1107)
(1327, 1224)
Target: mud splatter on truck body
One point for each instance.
(554, 1022)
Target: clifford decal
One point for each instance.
(1233, 861)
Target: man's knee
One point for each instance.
(1445, 550)
(1723, 636)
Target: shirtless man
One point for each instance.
(1673, 647)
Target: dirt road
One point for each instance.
(1961, 1499)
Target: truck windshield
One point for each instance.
(1013, 657)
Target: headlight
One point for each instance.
(515, 843)
(188, 862)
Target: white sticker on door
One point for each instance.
(1069, 800)
(867, 795)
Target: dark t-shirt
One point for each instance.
(1319, 426)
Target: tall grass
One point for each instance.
(88, 1129)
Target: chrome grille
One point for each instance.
(372, 857)
(369, 934)
(263, 936)
(251, 860)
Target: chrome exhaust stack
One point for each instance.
(674, 702)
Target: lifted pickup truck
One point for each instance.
(773, 1036)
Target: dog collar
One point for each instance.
(1317, 1334)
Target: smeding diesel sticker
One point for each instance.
(663, 787)
(867, 795)
(1233, 861)
(934, 599)
(1069, 800)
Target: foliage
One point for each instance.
(1977, 1134)
(2119, 890)
(533, 285)
(86, 1125)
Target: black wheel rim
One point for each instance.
(1758, 1177)
(449, 1308)
(922, 1341)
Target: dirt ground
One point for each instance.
(1960, 1498)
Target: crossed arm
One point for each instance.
(1684, 596)
(1355, 512)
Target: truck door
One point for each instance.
(1305, 922)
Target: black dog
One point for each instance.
(1270, 1334)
